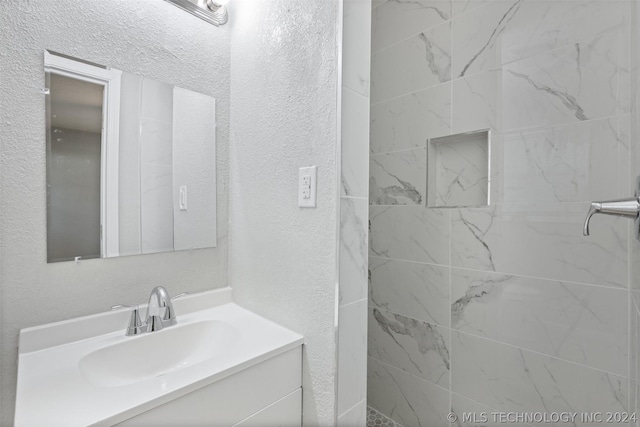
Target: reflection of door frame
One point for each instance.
(109, 154)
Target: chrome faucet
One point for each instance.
(160, 313)
(628, 208)
(159, 310)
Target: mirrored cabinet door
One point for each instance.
(131, 163)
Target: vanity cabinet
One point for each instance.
(264, 395)
(221, 366)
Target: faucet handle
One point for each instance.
(179, 295)
(629, 208)
(154, 323)
(135, 326)
(593, 209)
(169, 316)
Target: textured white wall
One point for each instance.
(147, 37)
(282, 259)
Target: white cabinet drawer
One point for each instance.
(286, 412)
(232, 399)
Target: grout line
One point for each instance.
(482, 404)
(402, 150)
(455, 267)
(416, 147)
(501, 66)
(450, 319)
(412, 36)
(542, 354)
(355, 302)
(493, 340)
(451, 89)
(539, 204)
(386, 310)
(539, 127)
(409, 373)
(630, 314)
(355, 92)
(379, 4)
(403, 95)
(353, 407)
(635, 305)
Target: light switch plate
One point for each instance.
(307, 187)
(183, 198)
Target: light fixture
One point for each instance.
(218, 8)
(212, 11)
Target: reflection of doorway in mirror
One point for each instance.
(82, 154)
(150, 147)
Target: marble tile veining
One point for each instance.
(459, 170)
(574, 83)
(475, 102)
(541, 241)
(398, 178)
(405, 398)
(396, 20)
(355, 144)
(353, 249)
(538, 315)
(579, 323)
(570, 163)
(477, 37)
(414, 64)
(511, 379)
(416, 290)
(541, 26)
(416, 347)
(408, 122)
(409, 232)
(508, 31)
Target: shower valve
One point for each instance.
(628, 208)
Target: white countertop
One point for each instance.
(53, 392)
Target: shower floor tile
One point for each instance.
(376, 419)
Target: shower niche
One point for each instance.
(458, 172)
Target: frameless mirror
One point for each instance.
(131, 163)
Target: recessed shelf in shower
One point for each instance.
(458, 172)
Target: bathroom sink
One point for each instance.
(85, 372)
(155, 354)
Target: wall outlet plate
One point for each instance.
(307, 178)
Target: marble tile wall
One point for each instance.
(354, 210)
(504, 307)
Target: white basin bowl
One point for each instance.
(154, 354)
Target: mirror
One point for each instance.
(131, 163)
